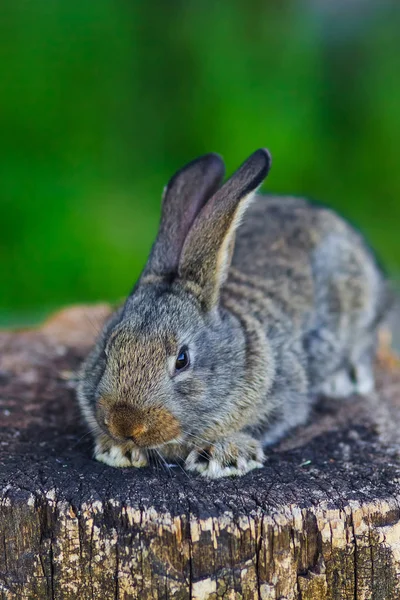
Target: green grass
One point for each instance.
(102, 101)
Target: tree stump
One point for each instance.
(321, 520)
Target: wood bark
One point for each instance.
(321, 521)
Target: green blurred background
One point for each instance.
(102, 100)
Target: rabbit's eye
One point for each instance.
(183, 360)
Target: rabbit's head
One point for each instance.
(167, 365)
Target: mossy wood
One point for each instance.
(321, 520)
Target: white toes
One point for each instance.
(193, 462)
(338, 386)
(214, 469)
(244, 466)
(114, 457)
(341, 385)
(138, 458)
(259, 456)
(365, 380)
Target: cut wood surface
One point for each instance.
(320, 521)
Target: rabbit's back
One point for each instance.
(305, 272)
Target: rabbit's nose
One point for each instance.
(138, 430)
(137, 433)
(145, 426)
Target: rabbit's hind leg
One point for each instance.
(362, 364)
(357, 379)
(339, 385)
(364, 379)
(356, 375)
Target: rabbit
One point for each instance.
(235, 326)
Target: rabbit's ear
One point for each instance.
(183, 198)
(208, 248)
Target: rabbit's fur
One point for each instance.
(274, 311)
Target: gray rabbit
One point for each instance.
(234, 327)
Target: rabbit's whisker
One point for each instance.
(96, 328)
(197, 437)
(91, 431)
(154, 460)
(180, 466)
(167, 468)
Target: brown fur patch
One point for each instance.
(144, 426)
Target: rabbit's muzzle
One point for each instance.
(146, 427)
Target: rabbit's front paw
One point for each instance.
(228, 458)
(116, 456)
